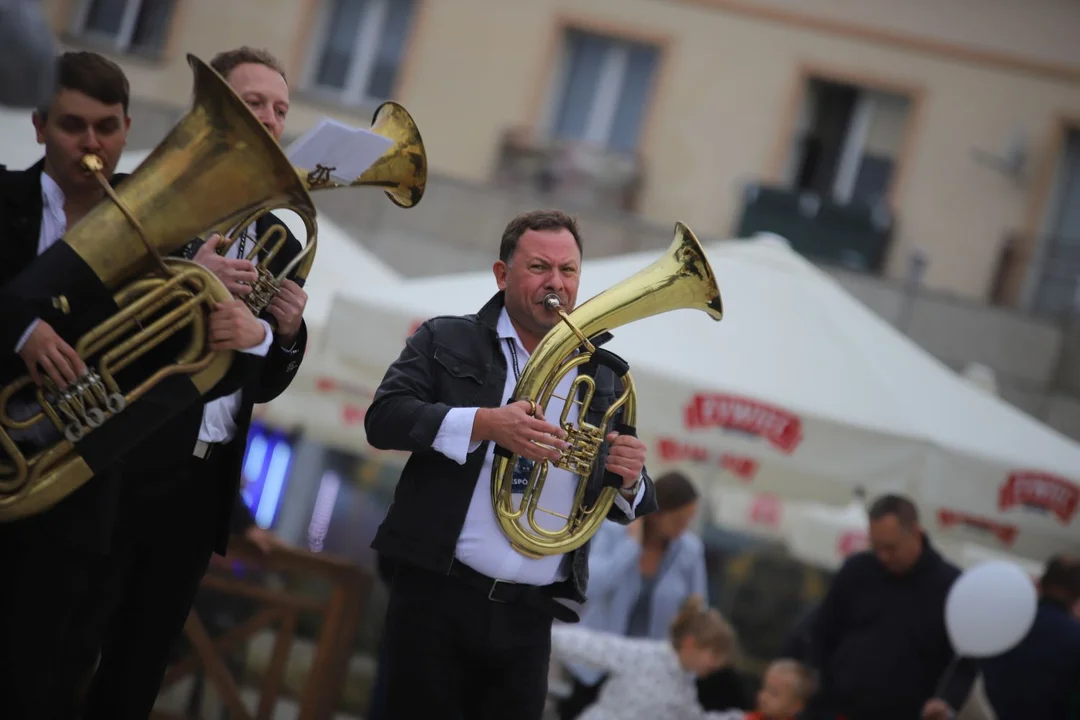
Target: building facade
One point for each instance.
(955, 126)
(893, 141)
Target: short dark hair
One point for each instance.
(1061, 578)
(227, 61)
(674, 491)
(536, 220)
(93, 75)
(898, 505)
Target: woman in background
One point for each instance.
(639, 577)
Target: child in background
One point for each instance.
(785, 690)
(650, 679)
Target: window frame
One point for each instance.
(120, 42)
(361, 58)
(616, 64)
(785, 159)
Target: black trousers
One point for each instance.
(165, 534)
(453, 653)
(50, 567)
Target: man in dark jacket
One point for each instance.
(468, 626)
(1041, 675)
(879, 640)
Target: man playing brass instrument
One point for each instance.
(48, 561)
(468, 626)
(180, 486)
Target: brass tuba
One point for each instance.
(681, 278)
(139, 319)
(401, 173)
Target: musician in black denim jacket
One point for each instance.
(469, 619)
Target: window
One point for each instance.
(1056, 288)
(138, 27)
(359, 49)
(848, 142)
(602, 89)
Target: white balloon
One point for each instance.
(990, 608)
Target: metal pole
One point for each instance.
(917, 263)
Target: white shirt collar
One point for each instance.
(52, 197)
(506, 330)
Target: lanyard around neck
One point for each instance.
(514, 358)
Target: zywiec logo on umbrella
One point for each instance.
(780, 428)
(1042, 492)
(674, 450)
(949, 519)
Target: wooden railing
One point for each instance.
(279, 609)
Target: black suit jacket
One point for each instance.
(85, 517)
(259, 379)
(450, 362)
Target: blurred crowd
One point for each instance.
(877, 646)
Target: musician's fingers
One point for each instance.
(624, 451)
(62, 364)
(73, 357)
(549, 440)
(536, 453)
(52, 371)
(277, 312)
(546, 427)
(293, 292)
(624, 471)
(614, 461)
(220, 330)
(246, 274)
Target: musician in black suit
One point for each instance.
(48, 561)
(177, 504)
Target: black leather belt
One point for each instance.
(502, 591)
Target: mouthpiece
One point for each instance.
(552, 302)
(92, 163)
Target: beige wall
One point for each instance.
(728, 91)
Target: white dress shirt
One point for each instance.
(218, 424)
(482, 544)
(219, 416)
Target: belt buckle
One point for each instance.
(202, 449)
(491, 592)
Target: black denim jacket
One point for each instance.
(456, 361)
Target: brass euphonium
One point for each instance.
(682, 278)
(401, 173)
(109, 289)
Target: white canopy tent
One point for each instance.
(803, 392)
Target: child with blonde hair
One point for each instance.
(649, 679)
